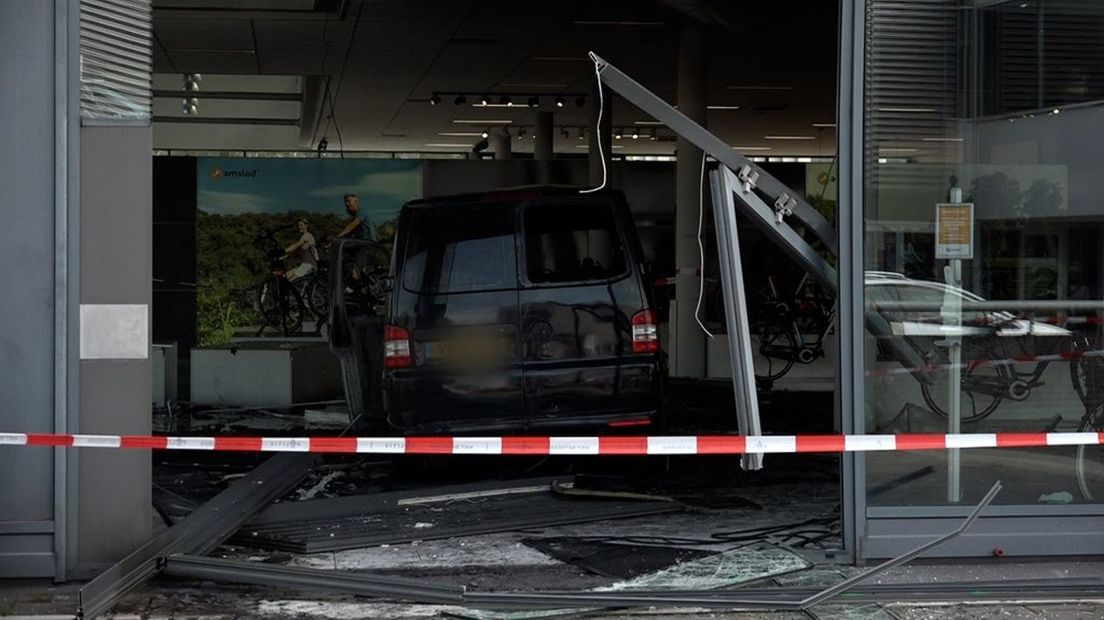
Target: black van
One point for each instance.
(519, 309)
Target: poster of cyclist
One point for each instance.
(264, 231)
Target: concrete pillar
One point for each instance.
(688, 341)
(542, 150)
(501, 144)
(603, 135)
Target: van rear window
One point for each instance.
(457, 249)
(572, 243)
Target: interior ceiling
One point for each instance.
(384, 59)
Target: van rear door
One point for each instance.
(579, 294)
(458, 299)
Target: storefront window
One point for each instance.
(984, 240)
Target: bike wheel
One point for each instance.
(317, 297)
(1089, 464)
(983, 384)
(773, 349)
(281, 306)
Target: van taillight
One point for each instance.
(396, 347)
(645, 338)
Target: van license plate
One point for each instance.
(474, 349)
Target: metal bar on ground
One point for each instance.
(200, 532)
(332, 581)
(323, 536)
(337, 507)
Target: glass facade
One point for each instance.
(984, 244)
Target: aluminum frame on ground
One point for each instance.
(200, 532)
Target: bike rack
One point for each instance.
(740, 185)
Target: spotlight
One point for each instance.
(582, 134)
(559, 102)
(323, 144)
(192, 80)
(580, 102)
(653, 135)
(460, 100)
(484, 100)
(481, 146)
(636, 134)
(617, 134)
(521, 133)
(534, 102)
(505, 101)
(434, 100)
(485, 135)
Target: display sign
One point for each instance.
(954, 230)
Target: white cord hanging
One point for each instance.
(598, 128)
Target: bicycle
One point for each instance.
(785, 332)
(278, 301)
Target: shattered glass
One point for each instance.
(867, 611)
(719, 571)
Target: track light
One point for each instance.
(559, 102)
(504, 100)
(582, 134)
(486, 134)
(636, 134)
(484, 100)
(617, 134)
(521, 133)
(323, 144)
(460, 100)
(434, 100)
(534, 102)
(191, 106)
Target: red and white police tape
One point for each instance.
(574, 446)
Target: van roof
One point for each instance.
(514, 194)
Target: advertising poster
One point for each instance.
(247, 207)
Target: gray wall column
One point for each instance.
(542, 150)
(28, 171)
(688, 341)
(501, 144)
(603, 136)
(116, 261)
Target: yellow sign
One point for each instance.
(954, 230)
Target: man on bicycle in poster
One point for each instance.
(357, 227)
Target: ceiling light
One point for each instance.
(897, 150)
(909, 110)
(751, 148)
(636, 134)
(504, 100)
(647, 122)
(460, 100)
(446, 145)
(534, 102)
(521, 133)
(617, 134)
(942, 139)
(485, 135)
(434, 100)
(824, 125)
(484, 100)
(460, 134)
(582, 133)
(789, 137)
(722, 107)
(580, 102)
(485, 121)
(559, 102)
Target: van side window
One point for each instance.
(458, 249)
(571, 243)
